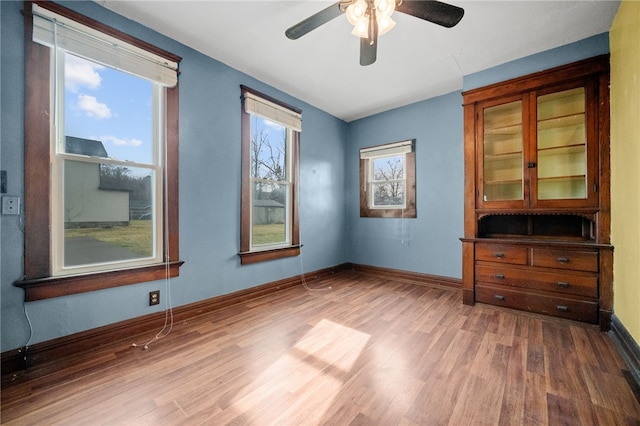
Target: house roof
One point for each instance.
(82, 146)
(267, 203)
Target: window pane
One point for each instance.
(268, 149)
(562, 149)
(503, 153)
(270, 217)
(388, 181)
(107, 213)
(388, 194)
(387, 168)
(107, 107)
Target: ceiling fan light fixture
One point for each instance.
(361, 27)
(356, 11)
(385, 7)
(385, 23)
(359, 12)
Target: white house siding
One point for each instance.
(85, 204)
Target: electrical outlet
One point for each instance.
(10, 205)
(154, 297)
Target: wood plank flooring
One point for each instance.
(367, 351)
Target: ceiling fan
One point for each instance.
(372, 18)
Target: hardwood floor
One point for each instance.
(367, 351)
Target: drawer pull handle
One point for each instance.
(499, 276)
(499, 297)
(563, 284)
(562, 308)
(499, 255)
(563, 260)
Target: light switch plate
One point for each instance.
(10, 205)
(3, 181)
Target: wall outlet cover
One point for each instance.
(10, 205)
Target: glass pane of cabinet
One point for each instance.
(562, 149)
(503, 153)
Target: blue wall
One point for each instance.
(331, 230)
(428, 243)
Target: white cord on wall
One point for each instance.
(168, 311)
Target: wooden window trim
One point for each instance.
(409, 212)
(246, 255)
(38, 282)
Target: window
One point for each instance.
(270, 147)
(106, 214)
(107, 168)
(387, 180)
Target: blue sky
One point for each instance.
(114, 107)
(276, 139)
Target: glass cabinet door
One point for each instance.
(562, 145)
(503, 152)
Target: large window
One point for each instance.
(107, 169)
(270, 139)
(101, 115)
(387, 180)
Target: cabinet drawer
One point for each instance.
(577, 284)
(502, 253)
(574, 309)
(565, 259)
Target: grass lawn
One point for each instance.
(270, 233)
(136, 237)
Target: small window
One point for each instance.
(269, 218)
(387, 180)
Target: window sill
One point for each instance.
(409, 213)
(50, 287)
(247, 257)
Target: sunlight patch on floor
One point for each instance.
(321, 359)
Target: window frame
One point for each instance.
(372, 181)
(367, 209)
(38, 281)
(248, 254)
(288, 183)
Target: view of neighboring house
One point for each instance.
(87, 202)
(267, 212)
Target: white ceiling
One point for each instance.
(417, 60)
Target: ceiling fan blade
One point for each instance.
(314, 21)
(368, 51)
(437, 12)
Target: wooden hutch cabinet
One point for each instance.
(537, 193)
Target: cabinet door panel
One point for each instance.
(562, 145)
(502, 153)
(564, 129)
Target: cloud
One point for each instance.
(121, 141)
(80, 73)
(93, 108)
